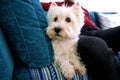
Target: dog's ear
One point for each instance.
(79, 12)
(53, 4)
(77, 9)
(76, 6)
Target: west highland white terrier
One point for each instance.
(64, 25)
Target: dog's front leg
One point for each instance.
(66, 67)
(78, 64)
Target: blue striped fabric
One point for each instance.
(118, 55)
(51, 72)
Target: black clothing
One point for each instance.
(95, 48)
(110, 36)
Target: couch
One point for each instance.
(7, 61)
(11, 68)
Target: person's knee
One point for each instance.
(98, 57)
(91, 43)
(93, 47)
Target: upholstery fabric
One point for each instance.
(52, 72)
(23, 23)
(6, 60)
(94, 17)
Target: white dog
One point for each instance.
(64, 27)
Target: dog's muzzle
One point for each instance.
(57, 29)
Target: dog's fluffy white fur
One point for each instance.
(64, 27)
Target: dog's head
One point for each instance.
(64, 22)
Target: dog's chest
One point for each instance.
(64, 47)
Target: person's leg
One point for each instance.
(100, 60)
(110, 36)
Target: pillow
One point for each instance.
(6, 61)
(109, 20)
(88, 19)
(23, 23)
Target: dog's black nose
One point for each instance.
(57, 29)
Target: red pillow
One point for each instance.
(88, 20)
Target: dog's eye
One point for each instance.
(55, 19)
(68, 19)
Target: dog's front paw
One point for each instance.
(81, 69)
(68, 72)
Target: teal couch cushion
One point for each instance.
(23, 23)
(94, 17)
(6, 60)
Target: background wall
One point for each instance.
(98, 5)
(101, 5)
